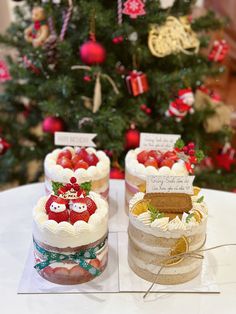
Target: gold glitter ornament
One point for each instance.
(175, 36)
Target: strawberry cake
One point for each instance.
(85, 164)
(139, 163)
(158, 236)
(70, 229)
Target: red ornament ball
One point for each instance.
(117, 173)
(132, 138)
(53, 124)
(92, 52)
(4, 146)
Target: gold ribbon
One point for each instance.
(191, 254)
(97, 96)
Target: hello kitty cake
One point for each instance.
(85, 164)
(140, 163)
(70, 229)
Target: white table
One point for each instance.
(15, 239)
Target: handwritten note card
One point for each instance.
(74, 139)
(170, 184)
(163, 142)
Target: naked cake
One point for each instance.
(162, 226)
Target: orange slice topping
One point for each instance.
(142, 187)
(197, 215)
(181, 246)
(140, 207)
(196, 190)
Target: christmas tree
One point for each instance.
(115, 68)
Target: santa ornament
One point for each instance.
(4, 72)
(219, 51)
(226, 158)
(181, 106)
(58, 210)
(134, 8)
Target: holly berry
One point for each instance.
(73, 180)
(65, 162)
(148, 111)
(191, 152)
(142, 157)
(65, 153)
(185, 149)
(191, 145)
(91, 205)
(81, 164)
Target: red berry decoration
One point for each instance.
(132, 138)
(65, 153)
(4, 146)
(91, 205)
(117, 173)
(151, 162)
(87, 78)
(92, 53)
(81, 164)
(65, 162)
(53, 124)
(142, 157)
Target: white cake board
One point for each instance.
(205, 282)
(32, 283)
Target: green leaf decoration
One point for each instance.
(200, 155)
(56, 186)
(86, 186)
(179, 143)
(189, 217)
(200, 200)
(155, 214)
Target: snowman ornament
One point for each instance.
(58, 210)
(79, 210)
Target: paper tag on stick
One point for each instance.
(74, 139)
(162, 142)
(170, 184)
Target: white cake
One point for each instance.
(70, 238)
(98, 175)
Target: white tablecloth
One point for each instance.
(15, 239)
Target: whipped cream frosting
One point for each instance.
(187, 223)
(137, 169)
(63, 234)
(59, 174)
